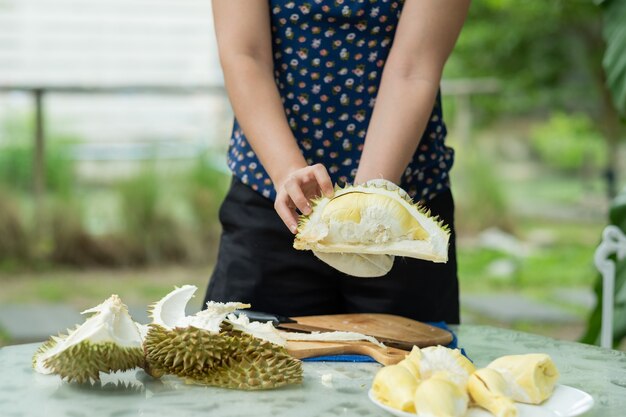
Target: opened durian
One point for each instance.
(214, 348)
(107, 341)
(531, 378)
(361, 228)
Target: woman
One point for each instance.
(332, 91)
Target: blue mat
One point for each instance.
(363, 358)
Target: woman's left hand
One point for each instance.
(297, 190)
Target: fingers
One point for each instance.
(294, 189)
(286, 213)
(291, 193)
(323, 179)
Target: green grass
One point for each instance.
(4, 337)
(84, 289)
(565, 261)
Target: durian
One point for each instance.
(211, 349)
(440, 396)
(434, 359)
(489, 390)
(107, 341)
(530, 377)
(361, 228)
(395, 385)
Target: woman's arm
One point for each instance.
(425, 37)
(243, 31)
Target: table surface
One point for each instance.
(23, 392)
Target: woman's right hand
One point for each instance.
(296, 191)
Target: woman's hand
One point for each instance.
(296, 191)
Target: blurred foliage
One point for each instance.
(207, 187)
(13, 234)
(569, 143)
(617, 217)
(16, 168)
(614, 62)
(16, 157)
(479, 195)
(547, 54)
(148, 224)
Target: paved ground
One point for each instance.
(33, 323)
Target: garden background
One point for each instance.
(114, 125)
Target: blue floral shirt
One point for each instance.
(328, 60)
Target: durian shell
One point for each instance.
(228, 359)
(84, 361)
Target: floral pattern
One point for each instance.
(328, 60)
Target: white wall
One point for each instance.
(112, 43)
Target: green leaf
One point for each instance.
(614, 61)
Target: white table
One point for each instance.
(601, 372)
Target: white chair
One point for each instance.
(613, 242)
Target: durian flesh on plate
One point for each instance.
(107, 341)
(362, 228)
(214, 348)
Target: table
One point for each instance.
(23, 392)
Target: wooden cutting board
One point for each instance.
(307, 349)
(385, 327)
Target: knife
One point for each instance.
(289, 324)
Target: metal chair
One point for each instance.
(613, 242)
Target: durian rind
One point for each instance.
(84, 361)
(107, 341)
(358, 265)
(228, 359)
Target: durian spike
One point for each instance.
(229, 359)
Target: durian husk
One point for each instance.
(228, 359)
(84, 361)
(108, 341)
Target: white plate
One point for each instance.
(564, 402)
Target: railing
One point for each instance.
(461, 90)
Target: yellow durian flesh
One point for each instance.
(436, 359)
(395, 386)
(440, 396)
(411, 367)
(488, 389)
(530, 377)
(361, 229)
(352, 207)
